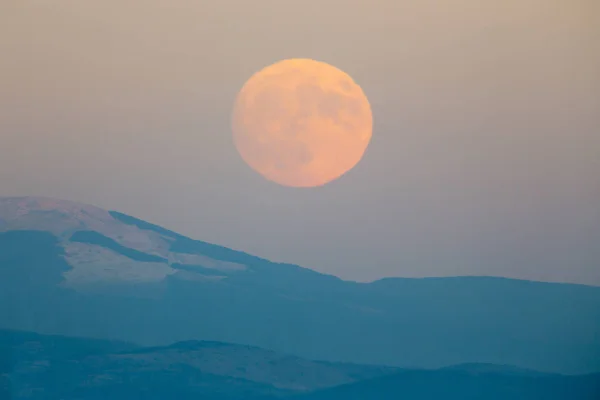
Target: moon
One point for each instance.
(301, 122)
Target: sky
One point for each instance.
(484, 160)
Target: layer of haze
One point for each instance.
(485, 157)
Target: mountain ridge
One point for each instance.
(240, 254)
(41, 367)
(86, 285)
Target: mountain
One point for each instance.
(74, 269)
(457, 384)
(56, 367)
(48, 367)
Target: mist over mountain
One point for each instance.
(44, 366)
(67, 368)
(464, 385)
(74, 269)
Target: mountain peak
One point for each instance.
(101, 247)
(43, 213)
(105, 274)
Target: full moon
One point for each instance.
(301, 123)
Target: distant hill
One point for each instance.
(463, 385)
(74, 269)
(44, 367)
(57, 367)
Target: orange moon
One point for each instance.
(301, 123)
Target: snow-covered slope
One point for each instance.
(104, 252)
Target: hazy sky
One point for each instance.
(485, 156)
